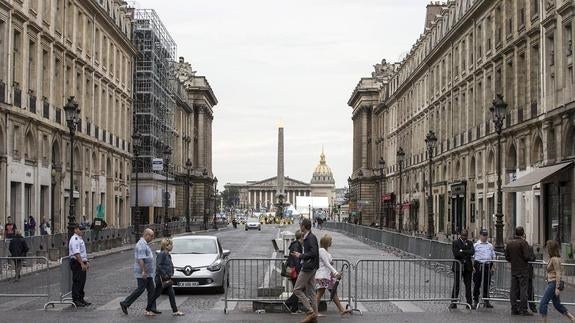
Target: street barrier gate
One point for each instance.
(37, 266)
(65, 293)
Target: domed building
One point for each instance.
(322, 182)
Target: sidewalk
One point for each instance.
(7, 267)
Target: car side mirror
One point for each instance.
(227, 253)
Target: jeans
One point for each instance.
(143, 284)
(519, 282)
(159, 289)
(548, 295)
(305, 290)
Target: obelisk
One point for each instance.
(280, 170)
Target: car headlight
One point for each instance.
(216, 265)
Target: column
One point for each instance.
(201, 138)
(364, 147)
(4, 211)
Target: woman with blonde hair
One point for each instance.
(164, 273)
(326, 275)
(554, 283)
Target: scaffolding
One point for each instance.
(154, 103)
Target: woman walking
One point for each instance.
(326, 275)
(554, 283)
(164, 273)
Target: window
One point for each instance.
(58, 15)
(32, 66)
(3, 44)
(98, 44)
(17, 58)
(568, 36)
(79, 30)
(46, 11)
(45, 73)
(69, 20)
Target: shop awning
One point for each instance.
(526, 182)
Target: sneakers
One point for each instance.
(124, 307)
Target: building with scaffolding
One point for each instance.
(154, 108)
(173, 112)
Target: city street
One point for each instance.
(110, 280)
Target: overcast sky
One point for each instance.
(291, 61)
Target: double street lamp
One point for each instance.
(498, 109)
(72, 119)
(188, 189)
(431, 142)
(167, 154)
(400, 156)
(381, 190)
(136, 219)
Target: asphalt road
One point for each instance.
(110, 279)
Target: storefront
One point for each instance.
(551, 215)
(389, 210)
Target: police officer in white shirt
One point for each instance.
(79, 265)
(482, 267)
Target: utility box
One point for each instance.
(287, 238)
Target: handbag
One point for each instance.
(561, 285)
(166, 282)
(286, 269)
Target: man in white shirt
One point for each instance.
(482, 267)
(79, 265)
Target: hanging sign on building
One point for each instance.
(157, 164)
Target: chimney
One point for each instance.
(433, 9)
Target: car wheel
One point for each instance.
(246, 229)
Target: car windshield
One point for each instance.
(254, 220)
(195, 246)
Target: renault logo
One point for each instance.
(188, 270)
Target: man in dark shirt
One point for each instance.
(463, 251)
(518, 253)
(306, 278)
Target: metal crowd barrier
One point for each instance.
(65, 293)
(38, 266)
(394, 280)
(259, 279)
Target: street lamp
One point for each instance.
(382, 177)
(72, 119)
(215, 202)
(136, 144)
(400, 157)
(498, 112)
(431, 142)
(167, 154)
(359, 177)
(188, 184)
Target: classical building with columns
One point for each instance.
(49, 51)
(470, 51)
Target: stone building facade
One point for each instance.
(470, 51)
(50, 50)
(322, 182)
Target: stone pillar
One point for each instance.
(4, 211)
(280, 161)
(364, 138)
(201, 138)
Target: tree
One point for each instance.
(231, 197)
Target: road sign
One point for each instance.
(158, 164)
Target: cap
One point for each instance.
(80, 226)
(483, 232)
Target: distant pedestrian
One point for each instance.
(326, 276)
(530, 290)
(164, 273)
(9, 228)
(517, 252)
(296, 246)
(79, 265)
(18, 248)
(31, 226)
(304, 286)
(145, 271)
(482, 268)
(45, 227)
(26, 228)
(1, 231)
(462, 252)
(554, 283)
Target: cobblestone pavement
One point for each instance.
(110, 280)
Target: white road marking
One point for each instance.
(111, 305)
(408, 307)
(165, 304)
(14, 303)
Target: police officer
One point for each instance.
(79, 265)
(482, 267)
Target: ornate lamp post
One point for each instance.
(359, 177)
(167, 154)
(188, 189)
(497, 109)
(136, 220)
(431, 142)
(215, 202)
(400, 157)
(72, 119)
(382, 178)
(349, 196)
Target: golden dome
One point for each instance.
(322, 172)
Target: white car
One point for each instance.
(199, 262)
(253, 223)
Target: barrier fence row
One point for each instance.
(368, 280)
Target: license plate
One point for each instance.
(187, 284)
